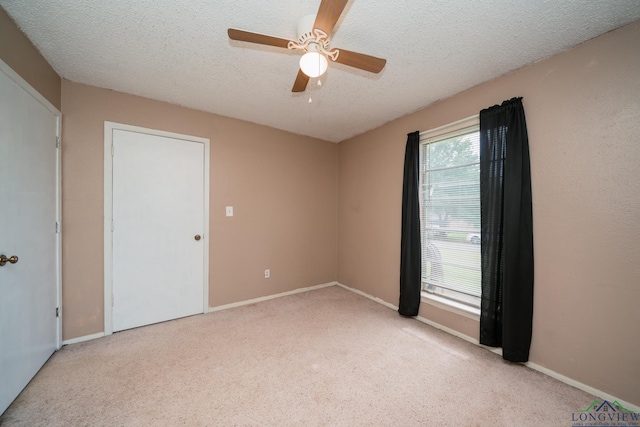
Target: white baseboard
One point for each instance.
(83, 338)
(584, 387)
(371, 297)
(268, 297)
(218, 308)
(594, 391)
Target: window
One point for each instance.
(450, 212)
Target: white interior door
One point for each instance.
(158, 228)
(28, 216)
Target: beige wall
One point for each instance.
(282, 186)
(583, 115)
(17, 52)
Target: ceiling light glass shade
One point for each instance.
(313, 64)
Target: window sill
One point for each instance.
(449, 305)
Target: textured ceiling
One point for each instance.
(178, 51)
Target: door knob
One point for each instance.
(197, 237)
(12, 259)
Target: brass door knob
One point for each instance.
(197, 237)
(12, 259)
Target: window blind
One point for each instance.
(450, 213)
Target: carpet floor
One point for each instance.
(327, 357)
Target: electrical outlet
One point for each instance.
(267, 273)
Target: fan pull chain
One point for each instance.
(319, 82)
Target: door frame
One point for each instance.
(9, 72)
(109, 127)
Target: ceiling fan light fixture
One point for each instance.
(313, 64)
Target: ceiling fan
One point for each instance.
(314, 37)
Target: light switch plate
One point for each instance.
(229, 210)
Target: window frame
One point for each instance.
(447, 131)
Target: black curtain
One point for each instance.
(506, 310)
(410, 256)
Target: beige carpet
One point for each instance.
(322, 358)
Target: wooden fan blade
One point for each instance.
(246, 36)
(301, 82)
(361, 61)
(328, 14)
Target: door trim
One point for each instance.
(109, 127)
(9, 72)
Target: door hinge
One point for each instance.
(112, 226)
(57, 142)
(112, 150)
(57, 227)
(112, 300)
(57, 311)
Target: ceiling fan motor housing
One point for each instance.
(310, 39)
(305, 28)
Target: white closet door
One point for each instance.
(158, 221)
(28, 214)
